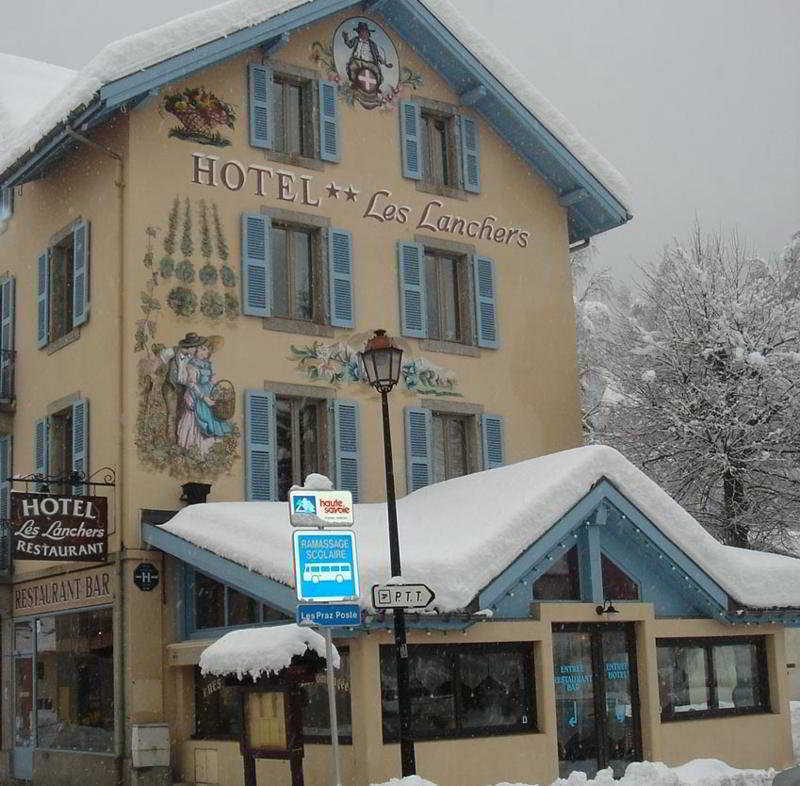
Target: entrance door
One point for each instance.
(597, 700)
(23, 701)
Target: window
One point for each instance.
(469, 690)
(217, 708)
(452, 451)
(293, 273)
(6, 203)
(292, 108)
(218, 713)
(446, 296)
(440, 147)
(302, 440)
(316, 719)
(441, 445)
(298, 272)
(617, 585)
(7, 329)
(217, 605)
(562, 581)
(75, 681)
(447, 285)
(62, 285)
(290, 436)
(293, 114)
(712, 677)
(61, 442)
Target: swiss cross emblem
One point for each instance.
(366, 80)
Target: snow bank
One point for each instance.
(459, 535)
(257, 651)
(700, 772)
(794, 711)
(139, 51)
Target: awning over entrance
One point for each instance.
(261, 651)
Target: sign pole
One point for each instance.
(332, 706)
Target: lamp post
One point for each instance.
(382, 361)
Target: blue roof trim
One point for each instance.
(116, 93)
(546, 154)
(537, 558)
(267, 590)
(599, 211)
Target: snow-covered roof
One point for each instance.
(26, 87)
(137, 52)
(257, 651)
(460, 535)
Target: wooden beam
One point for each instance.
(473, 96)
(571, 197)
(274, 45)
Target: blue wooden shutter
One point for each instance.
(411, 139)
(261, 465)
(340, 263)
(80, 441)
(5, 474)
(256, 265)
(260, 83)
(470, 154)
(419, 450)
(328, 121)
(348, 447)
(80, 273)
(413, 303)
(485, 302)
(494, 441)
(7, 310)
(41, 446)
(43, 299)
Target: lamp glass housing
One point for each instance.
(382, 366)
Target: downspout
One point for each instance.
(119, 600)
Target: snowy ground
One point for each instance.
(700, 772)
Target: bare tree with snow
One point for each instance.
(705, 367)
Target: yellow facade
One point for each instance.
(126, 179)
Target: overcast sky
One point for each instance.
(696, 102)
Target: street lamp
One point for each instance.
(382, 362)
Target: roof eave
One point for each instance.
(598, 211)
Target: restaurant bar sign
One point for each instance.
(64, 529)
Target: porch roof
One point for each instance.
(460, 536)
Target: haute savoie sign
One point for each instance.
(63, 529)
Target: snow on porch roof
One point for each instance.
(257, 651)
(460, 535)
(135, 54)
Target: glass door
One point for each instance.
(597, 705)
(23, 701)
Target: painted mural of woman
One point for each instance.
(197, 425)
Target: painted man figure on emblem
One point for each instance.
(364, 66)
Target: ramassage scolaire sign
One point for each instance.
(63, 529)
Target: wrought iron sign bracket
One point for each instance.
(40, 482)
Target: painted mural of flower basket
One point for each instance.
(223, 394)
(200, 113)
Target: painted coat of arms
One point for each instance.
(363, 60)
